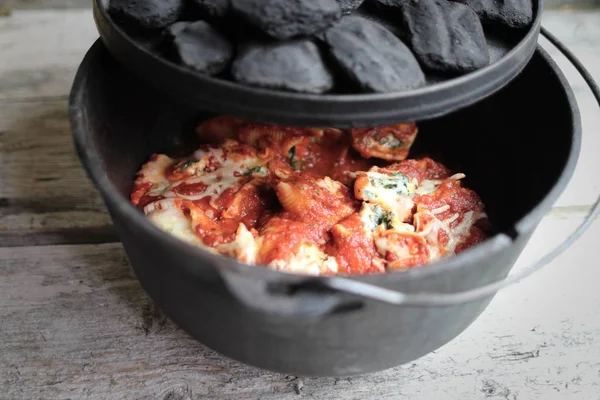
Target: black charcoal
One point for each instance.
(506, 13)
(202, 48)
(147, 14)
(372, 56)
(213, 8)
(292, 65)
(388, 18)
(445, 36)
(388, 3)
(286, 19)
(175, 29)
(348, 6)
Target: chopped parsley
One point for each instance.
(390, 141)
(380, 217)
(292, 157)
(260, 171)
(186, 165)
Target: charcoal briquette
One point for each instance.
(213, 8)
(385, 17)
(445, 36)
(372, 56)
(348, 6)
(294, 65)
(286, 19)
(506, 13)
(202, 48)
(388, 3)
(146, 14)
(173, 30)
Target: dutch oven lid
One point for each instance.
(338, 63)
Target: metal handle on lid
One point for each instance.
(374, 292)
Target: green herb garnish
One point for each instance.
(292, 157)
(260, 170)
(391, 142)
(398, 182)
(186, 165)
(381, 217)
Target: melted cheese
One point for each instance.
(169, 217)
(153, 171)
(243, 248)
(308, 260)
(218, 169)
(384, 246)
(386, 215)
(392, 192)
(456, 235)
(429, 186)
(375, 217)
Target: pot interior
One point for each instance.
(513, 146)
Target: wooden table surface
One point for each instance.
(75, 323)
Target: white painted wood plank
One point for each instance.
(580, 30)
(41, 51)
(42, 183)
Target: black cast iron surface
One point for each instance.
(441, 96)
(518, 149)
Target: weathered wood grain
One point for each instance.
(42, 184)
(6, 7)
(50, 4)
(41, 51)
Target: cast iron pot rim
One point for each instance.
(94, 168)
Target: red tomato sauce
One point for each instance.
(289, 206)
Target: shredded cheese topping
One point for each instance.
(261, 203)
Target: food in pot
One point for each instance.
(445, 36)
(295, 65)
(506, 13)
(390, 143)
(313, 201)
(372, 56)
(203, 48)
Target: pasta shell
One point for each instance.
(391, 143)
(219, 128)
(292, 199)
(402, 250)
(261, 135)
(323, 202)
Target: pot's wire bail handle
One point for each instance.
(377, 293)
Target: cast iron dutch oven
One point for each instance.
(518, 148)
